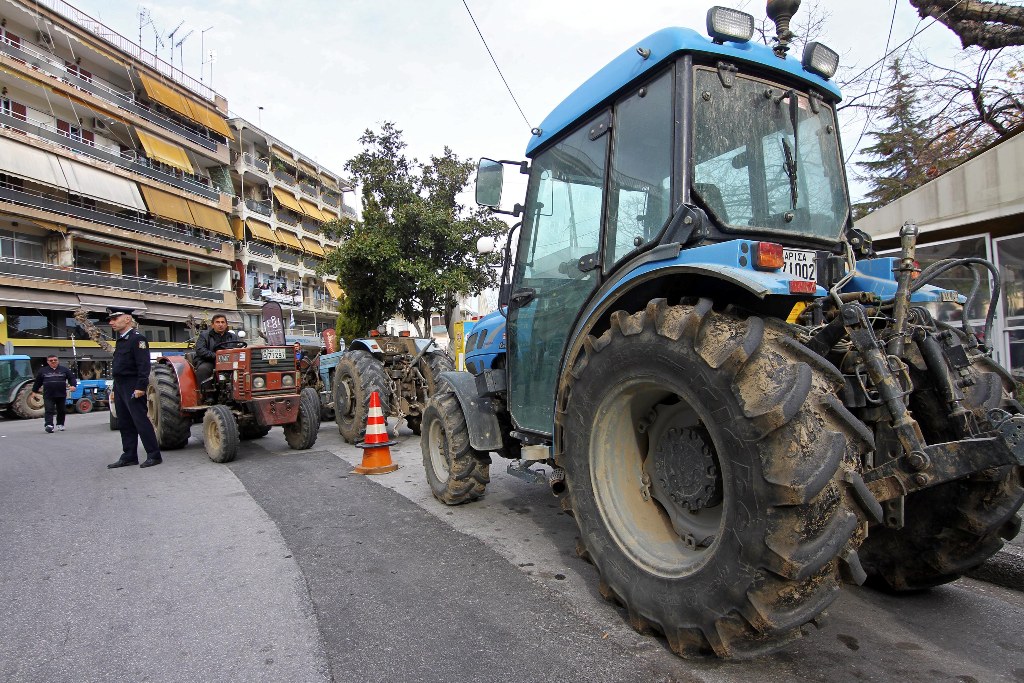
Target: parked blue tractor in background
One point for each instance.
(16, 397)
(739, 403)
(88, 395)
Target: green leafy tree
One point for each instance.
(414, 252)
(906, 153)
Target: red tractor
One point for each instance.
(252, 390)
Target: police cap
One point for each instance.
(117, 311)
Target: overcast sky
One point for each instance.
(324, 71)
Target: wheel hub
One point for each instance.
(343, 402)
(683, 475)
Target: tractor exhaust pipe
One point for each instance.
(556, 480)
(780, 12)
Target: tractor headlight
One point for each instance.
(288, 380)
(259, 383)
(729, 24)
(820, 60)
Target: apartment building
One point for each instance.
(123, 184)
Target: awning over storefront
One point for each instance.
(312, 210)
(167, 205)
(261, 231)
(288, 200)
(312, 246)
(289, 239)
(172, 155)
(209, 218)
(334, 289)
(178, 314)
(38, 298)
(99, 304)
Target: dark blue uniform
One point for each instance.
(131, 372)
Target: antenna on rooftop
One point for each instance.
(181, 58)
(146, 19)
(171, 35)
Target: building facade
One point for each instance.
(122, 183)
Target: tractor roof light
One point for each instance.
(820, 60)
(729, 24)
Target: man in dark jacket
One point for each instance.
(130, 368)
(54, 379)
(206, 347)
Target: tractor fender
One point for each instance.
(481, 422)
(186, 379)
(370, 344)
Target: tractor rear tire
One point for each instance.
(28, 406)
(220, 433)
(455, 471)
(357, 376)
(252, 431)
(163, 403)
(83, 406)
(952, 528)
(705, 457)
(301, 434)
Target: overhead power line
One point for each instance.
(495, 62)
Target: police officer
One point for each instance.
(131, 377)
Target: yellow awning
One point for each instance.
(172, 155)
(238, 228)
(183, 105)
(210, 218)
(329, 183)
(47, 225)
(261, 231)
(212, 120)
(311, 210)
(167, 205)
(334, 289)
(329, 214)
(313, 247)
(288, 200)
(289, 239)
(308, 168)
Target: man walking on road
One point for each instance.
(131, 377)
(54, 379)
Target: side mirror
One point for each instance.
(489, 179)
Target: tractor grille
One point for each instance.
(257, 365)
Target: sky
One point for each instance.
(325, 70)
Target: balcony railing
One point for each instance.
(308, 189)
(257, 249)
(331, 199)
(311, 263)
(288, 257)
(311, 226)
(262, 208)
(348, 211)
(255, 162)
(285, 178)
(287, 219)
(57, 69)
(33, 270)
(58, 202)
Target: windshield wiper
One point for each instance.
(792, 153)
(790, 167)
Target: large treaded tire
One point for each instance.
(357, 376)
(301, 434)
(741, 423)
(163, 403)
(28, 406)
(431, 366)
(220, 434)
(952, 528)
(455, 471)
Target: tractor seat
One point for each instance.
(190, 357)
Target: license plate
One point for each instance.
(272, 354)
(800, 263)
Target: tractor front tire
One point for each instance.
(28, 406)
(455, 471)
(952, 528)
(220, 434)
(83, 406)
(163, 403)
(357, 376)
(705, 457)
(301, 434)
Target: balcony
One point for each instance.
(259, 296)
(254, 162)
(287, 219)
(56, 68)
(288, 257)
(56, 201)
(348, 211)
(308, 189)
(261, 250)
(128, 160)
(311, 263)
(284, 177)
(311, 226)
(262, 208)
(331, 199)
(32, 270)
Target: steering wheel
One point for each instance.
(233, 344)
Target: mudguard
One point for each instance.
(186, 380)
(481, 422)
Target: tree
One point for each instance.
(414, 252)
(906, 152)
(989, 25)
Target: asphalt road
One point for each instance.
(284, 566)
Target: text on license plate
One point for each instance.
(800, 263)
(273, 354)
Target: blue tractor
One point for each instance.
(740, 404)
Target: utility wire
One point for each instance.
(881, 70)
(495, 62)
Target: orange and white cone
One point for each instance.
(376, 447)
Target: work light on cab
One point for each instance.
(820, 60)
(729, 24)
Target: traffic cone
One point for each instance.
(376, 447)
